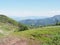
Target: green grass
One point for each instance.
(41, 36)
(46, 35)
(1, 35)
(7, 23)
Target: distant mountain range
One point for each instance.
(28, 17)
(39, 21)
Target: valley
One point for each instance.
(29, 22)
(15, 33)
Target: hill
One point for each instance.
(38, 22)
(14, 33)
(9, 25)
(41, 36)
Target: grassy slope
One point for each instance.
(8, 25)
(45, 35)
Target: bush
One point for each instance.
(22, 27)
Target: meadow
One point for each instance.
(45, 36)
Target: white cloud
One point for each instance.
(42, 13)
(30, 13)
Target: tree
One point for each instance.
(22, 27)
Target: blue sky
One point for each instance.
(23, 8)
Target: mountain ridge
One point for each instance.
(45, 21)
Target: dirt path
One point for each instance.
(13, 41)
